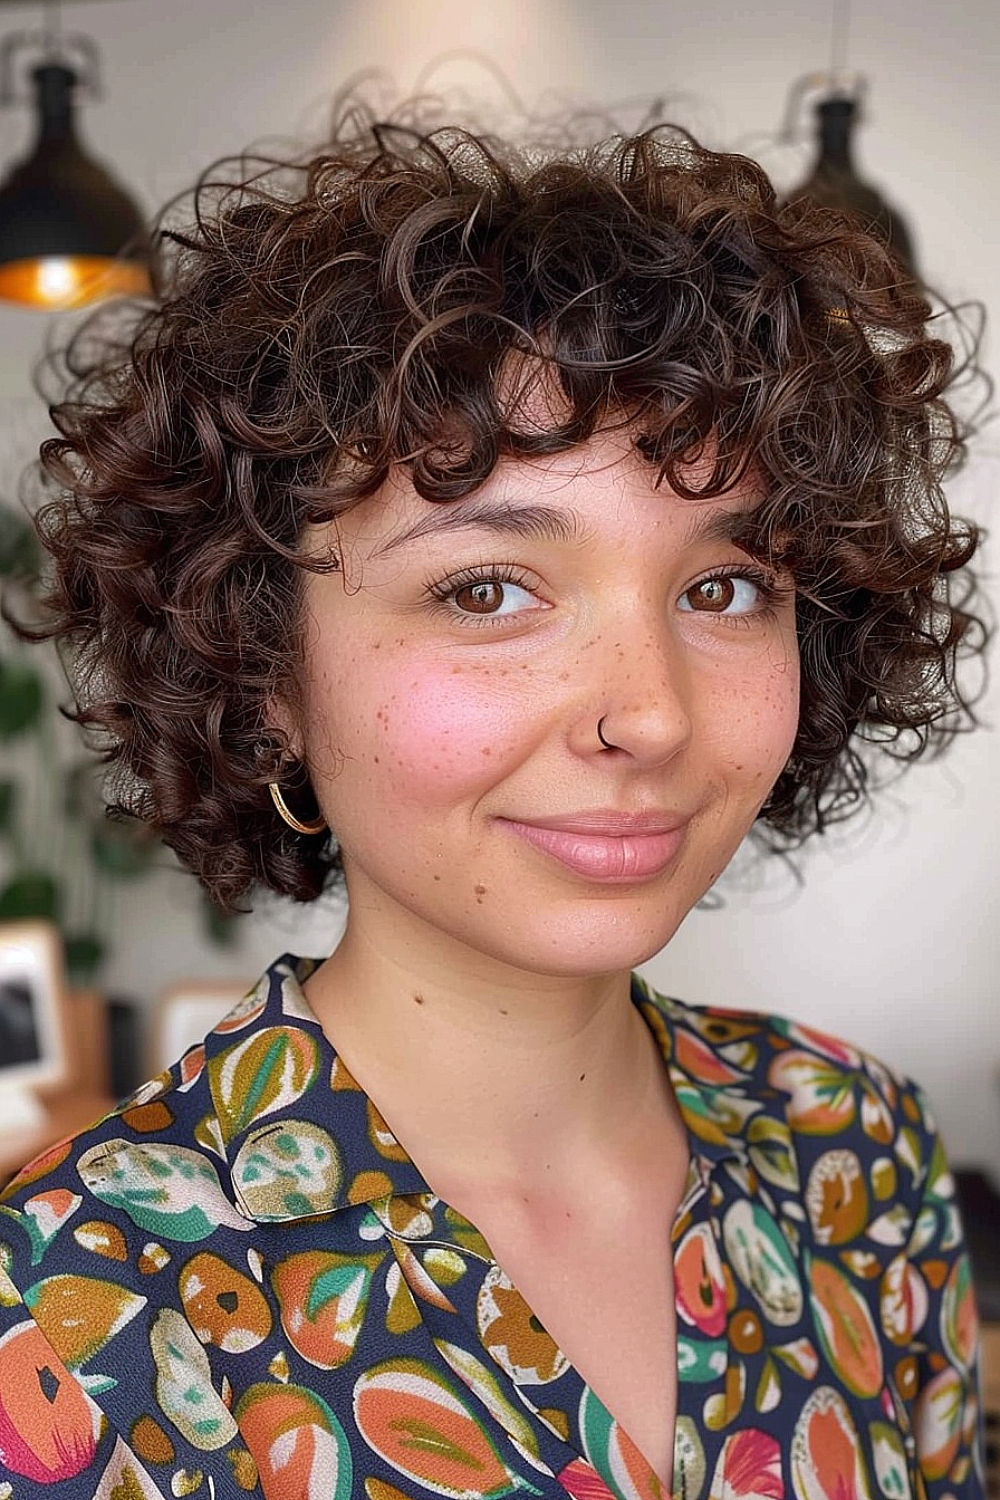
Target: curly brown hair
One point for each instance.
(323, 322)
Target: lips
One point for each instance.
(607, 846)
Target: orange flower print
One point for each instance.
(513, 1335)
(827, 1460)
(48, 1428)
(700, 1285)
(820, 1093)
(837, 1198)
(298, 1445)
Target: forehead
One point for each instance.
(600, 490)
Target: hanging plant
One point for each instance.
(22, 698)
(31, 893)
(50, 800)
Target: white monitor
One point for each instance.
(32, 1021)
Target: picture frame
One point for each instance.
(33, 1021)
(186, 1013)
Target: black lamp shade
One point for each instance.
(834, 183)
(64, 221)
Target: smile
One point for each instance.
(607, 856)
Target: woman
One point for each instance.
(514, 536)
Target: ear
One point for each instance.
(282, 718)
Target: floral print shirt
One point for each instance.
(239, 1284)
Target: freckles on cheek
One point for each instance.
(759, 721)
(441, 730)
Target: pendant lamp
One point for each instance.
(69, 233)
(834, 182)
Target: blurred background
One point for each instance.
(893, 938)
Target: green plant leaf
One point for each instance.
(8, 791)
(21, 699)
(84, 952)
(221, 926)
(33, 893)
(122, 849)
(19, 550)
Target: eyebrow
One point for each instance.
(540, 522)
(543, 523)
(720, 525)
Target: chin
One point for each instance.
(580, 943)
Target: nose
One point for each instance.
(639, 694)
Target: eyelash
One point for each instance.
(771, 592)
(442, 590)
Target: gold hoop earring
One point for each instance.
(318, 825)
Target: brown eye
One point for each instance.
(713, 594)
(482, 598)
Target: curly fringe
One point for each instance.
(321, 323)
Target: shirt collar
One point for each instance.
(710, 1058)
(293, 1153)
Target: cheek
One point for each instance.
(759, 720)
(432, 734)
(778, 717)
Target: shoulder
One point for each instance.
(88, 1232)
(156, 1168)
(150, 1167)
(815, 1115)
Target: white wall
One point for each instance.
(894, 939)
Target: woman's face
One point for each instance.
(458, 667)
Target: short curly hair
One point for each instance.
(322, 322)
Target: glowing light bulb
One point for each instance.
(58, 282)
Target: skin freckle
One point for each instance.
(486, 750)
(418, 999)
(480, 890)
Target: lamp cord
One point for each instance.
(840, 29)
(52, 31)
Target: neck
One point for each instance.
(491, 1078)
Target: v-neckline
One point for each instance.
(596, 1438)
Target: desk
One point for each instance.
(65, 1114)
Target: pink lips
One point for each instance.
(607, 846)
